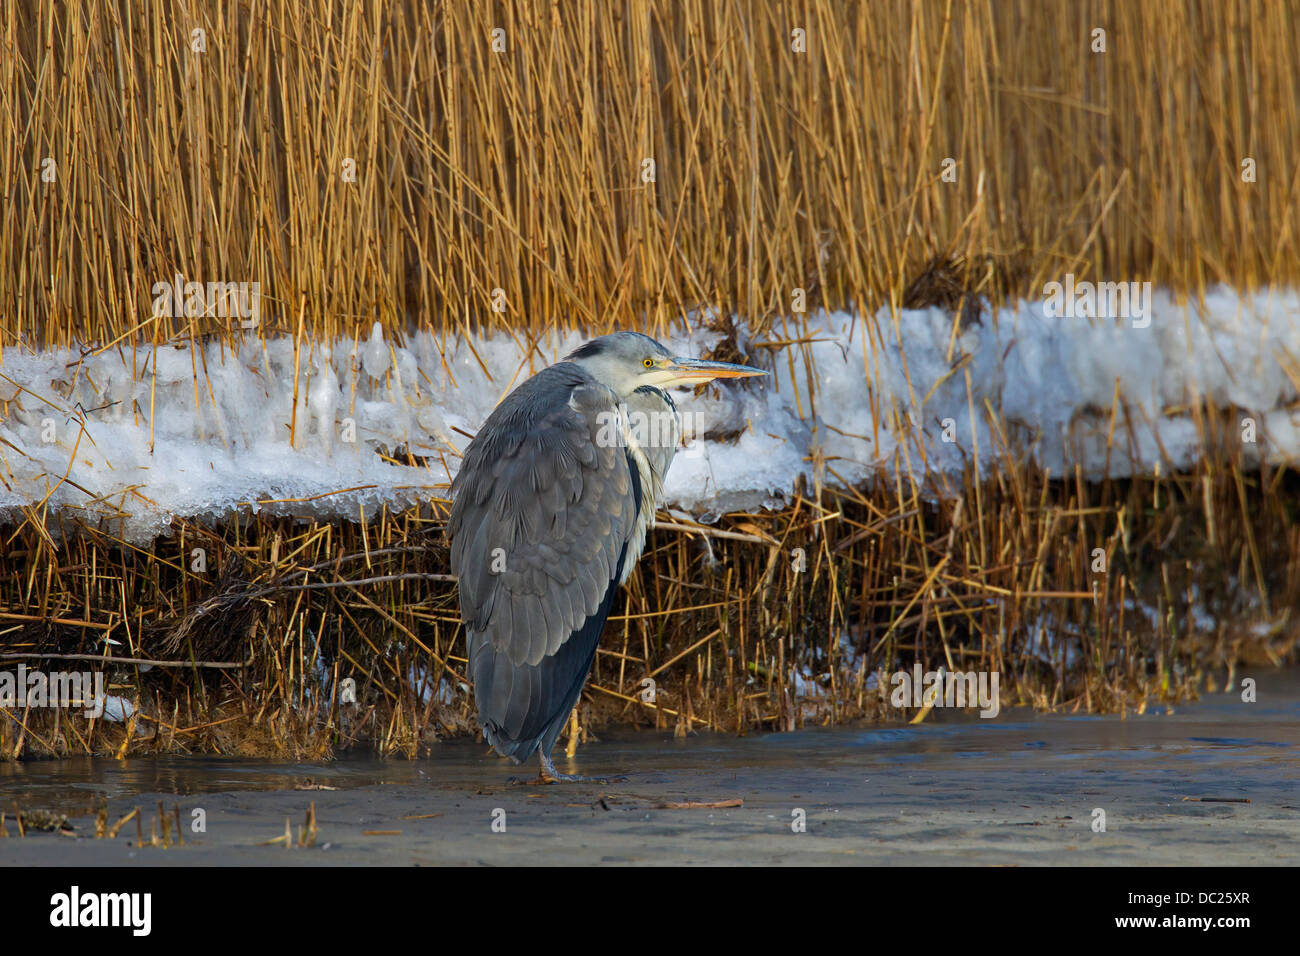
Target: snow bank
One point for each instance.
(127, 438)
(1048, 386)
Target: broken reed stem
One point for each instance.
(101, 659)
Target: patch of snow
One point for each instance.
(128, 437)
(1047, 643)
(118, 709)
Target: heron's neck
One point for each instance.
(654, 391)
(652, 429)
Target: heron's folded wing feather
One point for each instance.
(542, 509)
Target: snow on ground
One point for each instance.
(129, 437)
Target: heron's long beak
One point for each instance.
(689, 371)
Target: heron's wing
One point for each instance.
(543, 508)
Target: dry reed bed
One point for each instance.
(720, 617)
(521, 171)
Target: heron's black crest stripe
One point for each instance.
(586, 350)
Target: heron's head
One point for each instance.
(625, 361)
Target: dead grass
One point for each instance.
(522, 170)
(1200, 582)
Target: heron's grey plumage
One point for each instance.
(654, 430)
(550, 512)
(540, 551)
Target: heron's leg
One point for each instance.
(549, 774)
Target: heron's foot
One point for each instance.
(549, 774)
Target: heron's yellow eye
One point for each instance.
(649, 363)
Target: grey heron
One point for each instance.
(549, 515)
